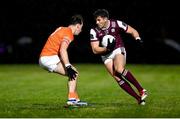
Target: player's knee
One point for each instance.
(121, 73)
(74, 79)
(119, 69)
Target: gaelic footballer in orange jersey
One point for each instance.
(54, 56)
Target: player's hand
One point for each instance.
(72, 74)
(110, 46)
(140, 42)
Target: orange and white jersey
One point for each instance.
(52, 46)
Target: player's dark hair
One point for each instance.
(101, 13)
(76, 19)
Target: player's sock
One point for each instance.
(128, 75)
(71, 98)
(127, 87)
(72, 95)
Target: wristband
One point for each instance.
(138, 38)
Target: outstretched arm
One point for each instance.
(71, 72)
(63, 51)
(133, 32)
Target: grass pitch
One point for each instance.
(29, 91)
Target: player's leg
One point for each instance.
(129, 76)
(109, 63)
(53, 64)
(119, 64)
(122, 83)
(121, 71)
(73, 97)
(60, 69)
(71, 83)
(72, 93)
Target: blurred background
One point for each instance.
(26, 24)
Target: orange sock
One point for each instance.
(72, 95)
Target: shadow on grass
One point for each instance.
(39, 106)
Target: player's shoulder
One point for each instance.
(116, 21)
(65, 28)
(113, 20)
(96, 29)
(66, 31)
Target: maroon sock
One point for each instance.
(127, 74)
(127, 87)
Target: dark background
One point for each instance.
(26, 24)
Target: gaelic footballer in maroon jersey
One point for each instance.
(114, 54)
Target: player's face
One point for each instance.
(78, 29)
(101, 22)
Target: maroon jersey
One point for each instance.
(114, 29)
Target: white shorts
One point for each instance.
(49, 62)
(110, 56)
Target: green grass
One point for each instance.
(29, 91)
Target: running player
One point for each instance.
(54, 56)
(114, 55)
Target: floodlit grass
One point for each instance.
(29, 91)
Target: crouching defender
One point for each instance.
(54, 56)
(114, 55)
